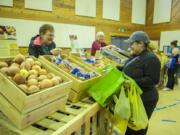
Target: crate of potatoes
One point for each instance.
(31, 89)
(83, 77)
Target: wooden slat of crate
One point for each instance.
(46, 110)
(22, 120)
(78, 121)
(78, 132)
(74, 123)
(81, 104)
(87, 127)
(94, 125)
(50, 124)
(75, 97)
(31, 130)
(8, 44)
(9, 90)
(27, 103)
(62, 117)
(41, 97)
(36, 131)
(74, 110)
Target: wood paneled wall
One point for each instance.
(154, 29)
(64, 12)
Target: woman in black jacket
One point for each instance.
(144, 68)
(43, 43)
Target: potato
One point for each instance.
(55, 81)
(19, 79)
(24, 73)
(15, 64)
(32, 77)
(42, 72)
(30, 61)
(25, 65)
(33, 88)
(19, 58)
(4, 70)
(45, 83)
(3, 64)
(37, 63)
(36, 67)
(33, 72)
(59, 78)
(42, 77)
(50, 75)
(12, 70)
(32, 82)
(23, 86)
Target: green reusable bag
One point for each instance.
(103, 90)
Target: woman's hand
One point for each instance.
(127, 85)
(56, 51)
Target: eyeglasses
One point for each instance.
(50, 35)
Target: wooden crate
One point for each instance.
(81, 118)
(8, 44)
(75, 97)
(8, 48)
(78, 86)
(9, 52)
(22, 120)
(27, 103)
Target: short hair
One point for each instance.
(100, 33)
(174, 43)
(45, 27)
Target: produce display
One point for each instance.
(114, 54)
(101, 65)
(73, 68)
(29, 74)
(8, 32)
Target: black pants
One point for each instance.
(149, 107)
(171, 78)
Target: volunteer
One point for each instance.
(98, 43)
(42, 44)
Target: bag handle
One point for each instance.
(115, 98)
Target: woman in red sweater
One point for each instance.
(98, 43)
